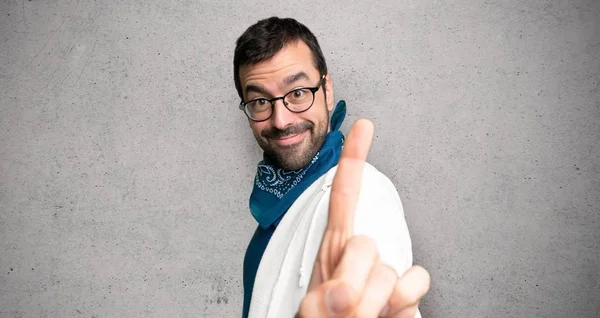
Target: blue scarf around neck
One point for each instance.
(276, 189)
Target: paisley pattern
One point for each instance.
(278, 181)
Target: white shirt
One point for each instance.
(285, 268)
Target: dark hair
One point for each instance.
(264, 39)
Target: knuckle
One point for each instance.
(364, 245)
(386, 272)
(426, 277)
(345, 190)
(403, 297)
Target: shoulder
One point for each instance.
(378, 191)
(380, 216)
(374, 177)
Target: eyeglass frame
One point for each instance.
(273, 100)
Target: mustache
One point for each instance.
(274, 133)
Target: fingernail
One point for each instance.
(337, 299)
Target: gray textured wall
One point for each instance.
(125, 165)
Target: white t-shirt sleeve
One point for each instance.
(380, 216)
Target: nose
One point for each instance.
(282, 117)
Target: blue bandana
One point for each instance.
(276, 189)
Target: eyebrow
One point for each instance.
(287, 81)
(256, 88)
(294, 78)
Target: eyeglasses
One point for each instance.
(297, 101)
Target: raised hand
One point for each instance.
(348, 278)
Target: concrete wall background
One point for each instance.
(125, 165)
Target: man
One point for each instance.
(304, 258)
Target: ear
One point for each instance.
(329, 90)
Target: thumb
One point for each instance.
(332, 299)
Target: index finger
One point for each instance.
(348, 177)
(342, 201)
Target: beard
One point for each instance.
(299, 155)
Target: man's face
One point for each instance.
(290, 139)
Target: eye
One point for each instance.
(258, 105)
(298, 94)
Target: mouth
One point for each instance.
(289, 139)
